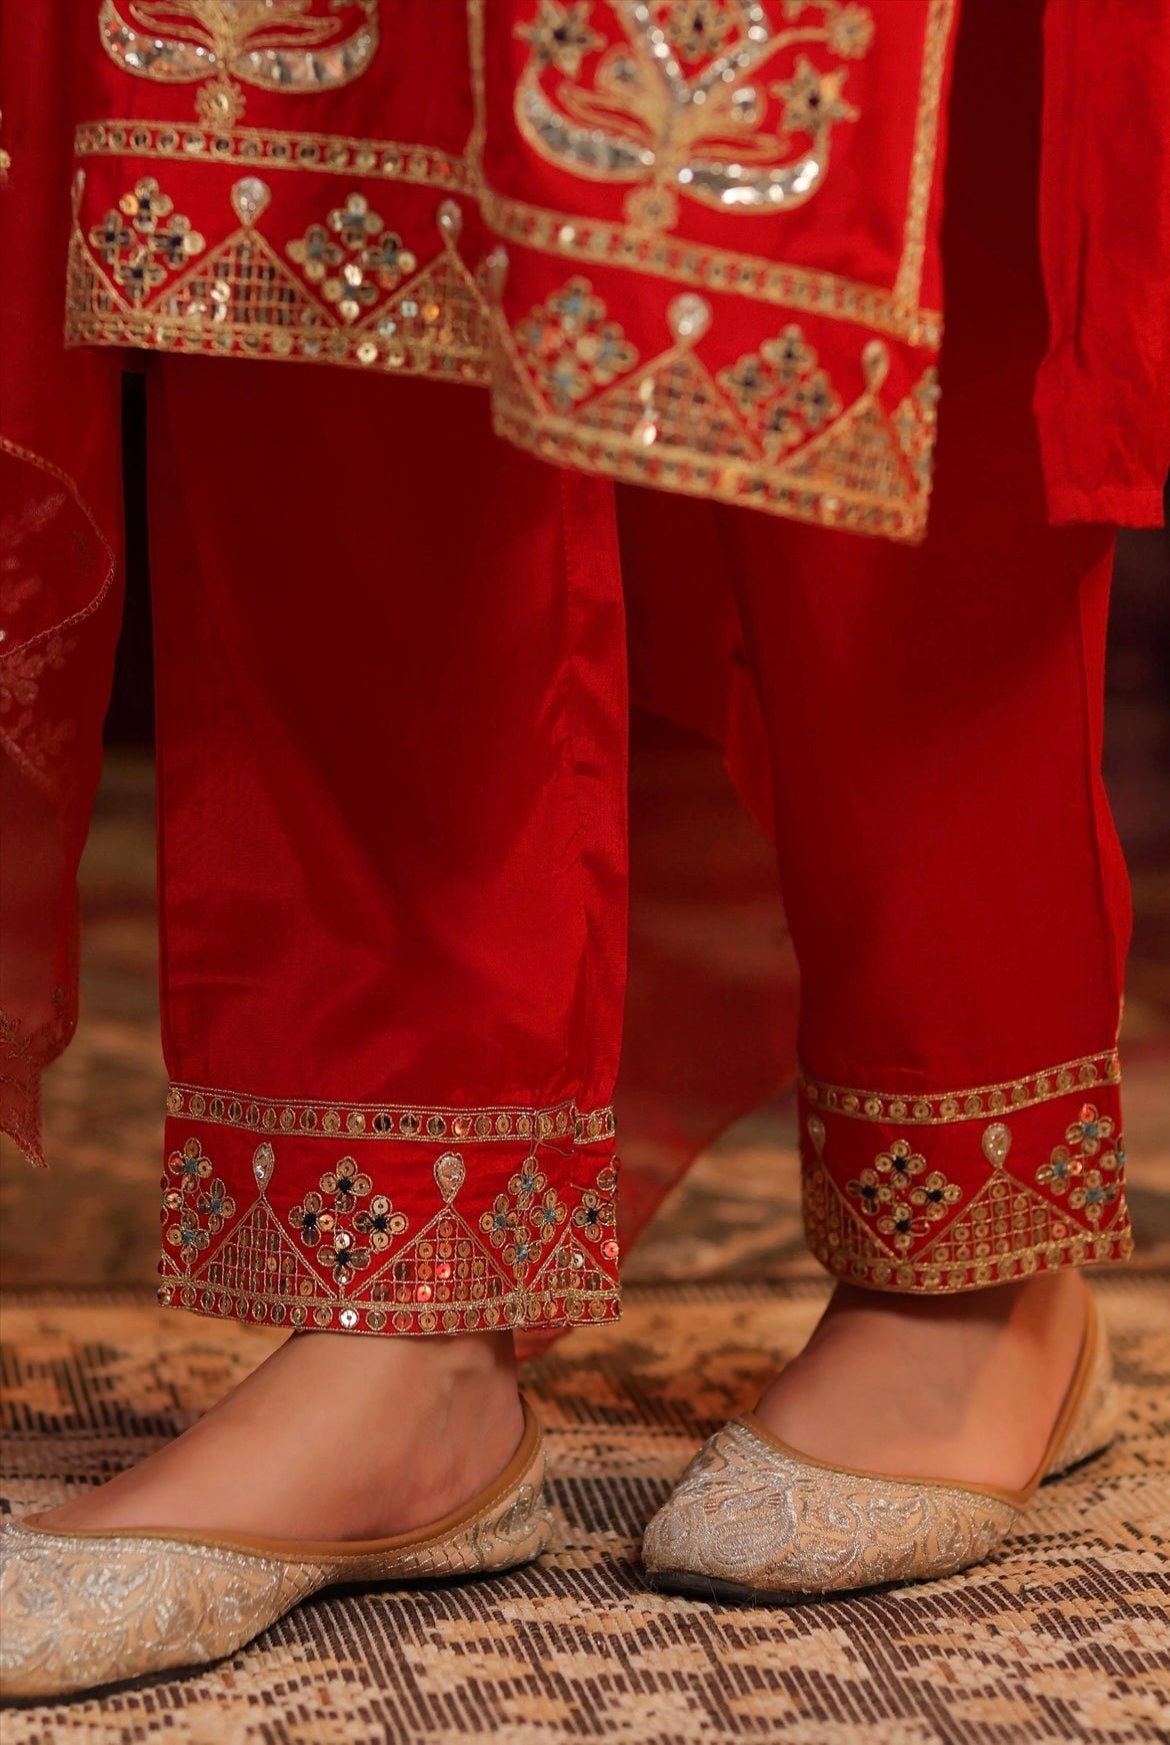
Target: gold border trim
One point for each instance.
(224, 339)
(266, 148)
(423, 1123)
(520, 1310)
(938, 1108)
(718, 270)
(908, 284)
(747, 484)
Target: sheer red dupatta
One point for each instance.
(59, 584)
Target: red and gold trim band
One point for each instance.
(390, 1120)
(954, 1190)
(268, 1217)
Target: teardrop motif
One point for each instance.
(263, 1164)
(997, 1142)
(450, 1174)
(249, 197)
(450, 220)
(816, 1132)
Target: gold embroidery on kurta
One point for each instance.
(770, 430)
(265, 148)
(908, 285)
(713, 130)
(292, 46)
(346, 291)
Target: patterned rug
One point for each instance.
(1064, 1637)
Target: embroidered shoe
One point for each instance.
(752, 1519)
(85, 1609)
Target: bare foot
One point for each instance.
(333, 1437)
(964, 1387)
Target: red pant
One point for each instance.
(392, 726)
(393, 857)
(391, 739)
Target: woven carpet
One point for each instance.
(1065, 1636)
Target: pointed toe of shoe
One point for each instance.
(752, 1519)
(84, 1611)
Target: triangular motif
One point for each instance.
(672, 404)
(259, 1255)
(858, 455)
(997, 1233)
(442, 1272)
(244, 285)
(441, 307)
(568, 1275)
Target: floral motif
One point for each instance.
(275, 44)
(345, 1236)
(346, 1184)
(190, 1165)
(900, 1162)
(144, 240)
(1066, 1165)
(380, 1223)
(352, 257)
(595, 1216)
(900, 1224)
(528, 1181)
(561, 35)
(343, 1256)
(903, 1201)
(812, 99)
(869, 1188)
(499, 1224)
(934, 1195)
(1089, 1130)
(548, 1216)
(781, 392)
(672, 104)
(188, 1236)
(849, 30)
(1093, 1195)
(570, 346)
(310, 1219)
(697, 28)
(216, 1205)
(1061, 1169)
